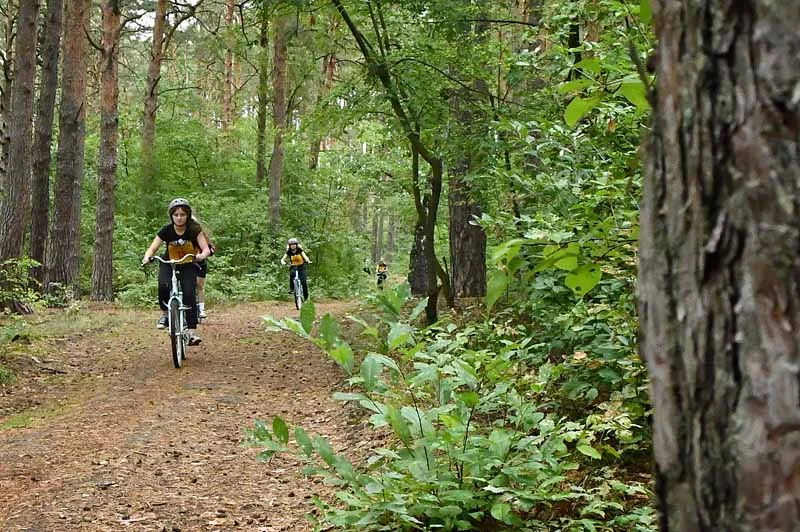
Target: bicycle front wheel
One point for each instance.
(177, 339)
(298, 294)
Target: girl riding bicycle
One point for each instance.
(298, 259)
(183, 236)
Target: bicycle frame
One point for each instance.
(297, 286)
(179, 332)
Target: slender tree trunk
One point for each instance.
(5, 91)
(379, 241)
(43, 136)
(280, 69)
(149, 162)
(227, 87)
(391, 245)
(374, 239)
(417, 261)
(64, 243)
(102, 269)
(15, 202)
(328, 72)
(263, 86)
(719, 269)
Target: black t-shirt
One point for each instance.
(296, 256)
(179, 245)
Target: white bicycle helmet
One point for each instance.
(293, 241)
(179, 202)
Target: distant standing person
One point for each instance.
(298, 259)
(202, 271)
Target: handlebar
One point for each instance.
(175, 261)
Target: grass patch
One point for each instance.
(6, 375)
(19, 421)
(31, 417)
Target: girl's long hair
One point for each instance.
(200, 227)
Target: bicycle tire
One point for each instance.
(177, 340)
(298, 294)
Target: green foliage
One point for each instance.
(16, 286)
(481, 437)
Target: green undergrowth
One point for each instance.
(492, 428)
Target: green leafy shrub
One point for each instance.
(477, 444)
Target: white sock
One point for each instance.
(201, 307)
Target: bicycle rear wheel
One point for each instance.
(177, 340)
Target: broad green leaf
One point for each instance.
(502, 512)
(583, 279)
(578, 108)
(280, 429)
(302, 439)
(575, 85)
(370, 370)
(399, 424)
(634, 90)
(295, 327)
(495, 287)
(399, 334)
(307, 315)
(646, 11)
(568, 263)
(469, 398)
(385, 361)
(342, 354)
(418, 309)
(589, 451)
(329, 330)
(590, 64)
(325, 450)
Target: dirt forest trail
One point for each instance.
(133, 444)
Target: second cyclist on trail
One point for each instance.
(298, 259)
(183, 236)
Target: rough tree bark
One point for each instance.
(43, 135)
(7, 78)
(16, 194)
(227, 87)
(64, 242)
(102, 268)
(263, 89)
(149, 164)
(719, 273)
(280, 70)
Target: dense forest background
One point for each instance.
(488, 150)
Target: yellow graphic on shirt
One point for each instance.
(297, 260)
(381, 268)
(180, 248)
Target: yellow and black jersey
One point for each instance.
(296, 256)
(179, 245)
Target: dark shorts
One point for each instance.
(202, 268)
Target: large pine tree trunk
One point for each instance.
(43, 136)
(16, 192)
(719, 273)
(263, 86)
(280, 70)
(64, 243)
(102, 269)
(149, 161)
